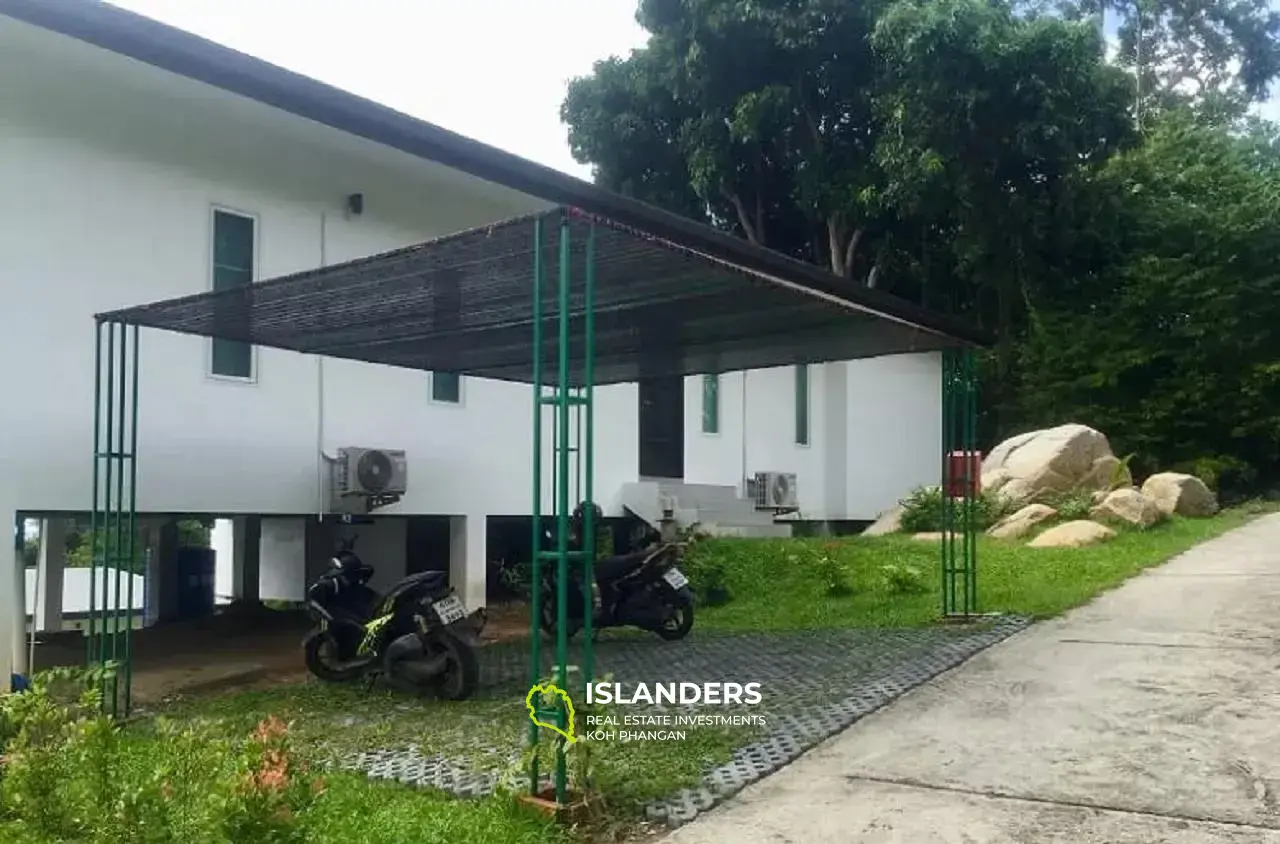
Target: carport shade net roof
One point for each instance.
(464, 303)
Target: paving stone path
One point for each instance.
(814, 684)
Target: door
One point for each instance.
(662, 427)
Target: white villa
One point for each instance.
(139, 163)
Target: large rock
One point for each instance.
(1128, 505)
(890, 521)
(1054, 460)
(1021, 523)
(1185, 495)
(1072, 535)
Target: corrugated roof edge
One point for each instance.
(185, 54)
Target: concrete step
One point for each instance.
(747, 531)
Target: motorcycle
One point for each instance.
(418, 636)
(644, 589)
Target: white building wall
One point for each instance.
(109, 174)
(875, 433)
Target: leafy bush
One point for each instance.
(71, 774)
(1221, 473)
(1073, 505)
(901, 579)
(831, 573)
(922, 510)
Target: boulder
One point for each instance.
(994, 480)
(1072, 535)
(1053, 460)
(932, 536)
(1021, 523)
(1128, 505)
(1184, 495)
(890, 521)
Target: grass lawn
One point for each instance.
(782, 584)
(774, 585)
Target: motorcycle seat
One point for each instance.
(615, 568)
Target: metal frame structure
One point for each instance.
(113, 520)
(960, 485)
(630, 274)
(573, 421)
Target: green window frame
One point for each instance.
(710, 404)
(234, 253)
(446, 387)
(802, 404)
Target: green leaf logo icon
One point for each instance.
(536, 694)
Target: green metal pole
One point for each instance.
(944, 550)
(91, 655)
(562, 496)
(108, 511)
(117, 537)
(972, 416)
(535, 591)
(586, 455)
(133, 523)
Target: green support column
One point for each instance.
(573, 436)
(960, 483)
(113, 521)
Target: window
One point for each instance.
(802, 404)
(446, 387)
(233, 262)
(711, 404)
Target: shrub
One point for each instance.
(1228, 476)
(1077, 504)
(70, 774)
(831, 572)
(922, 510)
(901, 579)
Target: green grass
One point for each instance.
(774, 584)
(330, 721)
(782, 584)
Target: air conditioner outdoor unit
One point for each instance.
(376, 473)
(775, 491)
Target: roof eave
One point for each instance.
(126, 33)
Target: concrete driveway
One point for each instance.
(1151, 715)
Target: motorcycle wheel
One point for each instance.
(322, 660)
(548, 621)
(462, 670)
(678, 623)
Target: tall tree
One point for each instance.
(1218, 56)
(1171, 347)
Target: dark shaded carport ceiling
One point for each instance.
(463, 303)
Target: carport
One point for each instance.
(563, 301)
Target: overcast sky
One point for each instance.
(494, 70)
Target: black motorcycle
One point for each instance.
(418, 636)
(644, 589)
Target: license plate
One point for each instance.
(675, 579)
(450, 610)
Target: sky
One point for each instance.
(494, 70)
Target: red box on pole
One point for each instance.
(964, 474)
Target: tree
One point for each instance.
(1218, 56)
(988, 117)
(1177, 359)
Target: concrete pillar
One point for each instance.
(246, 556)
(13, 599)
(165, 568)
(49, 568)
(468, 567)
(835, 407)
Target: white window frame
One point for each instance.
(254, 368)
